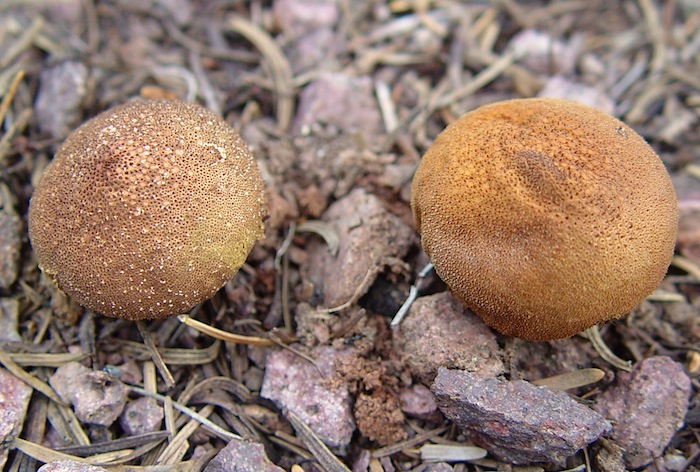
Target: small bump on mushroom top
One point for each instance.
(545, 216)
(147, 209)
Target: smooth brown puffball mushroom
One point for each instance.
(544, 216)
(147, 209)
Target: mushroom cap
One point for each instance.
(147, 209)
(545, 216)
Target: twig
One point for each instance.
(155, 354)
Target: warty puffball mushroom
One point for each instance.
(147, 209)
(545, 216)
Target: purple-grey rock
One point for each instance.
(647, 407)
(140, 416)
(353, 108)
(9, 316)
(370, 238)
(296, 385)
(97, 397)
(516, 421)
(241, 455)
(417, 401)
(70, 466)
(62, 89)
(439, 332)
(14, 400)
(298, 17)
(10, 247)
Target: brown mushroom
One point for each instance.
(147, 209)
(545, 216)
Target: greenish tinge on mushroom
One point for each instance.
(147, 209)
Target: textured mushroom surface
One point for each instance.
(545, 216)
(147, 209)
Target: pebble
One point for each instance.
(647, 407)
(9, 315)
(97, 397)
(417, 401)
(369, 237)
(516, 421)
(298, 17)
(70, 466)
(140, 416)
(353, 109)
(14, 400)
(439, 332)
(561, 87)
(58, 105)
(242, 456)
(295, 384)
(10, 248)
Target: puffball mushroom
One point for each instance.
(147, 209)
(545, 216)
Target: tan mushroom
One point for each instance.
(545, 216)
(147, 209)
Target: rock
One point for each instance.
(298, 17)
(10, 248)
(647, 407)
(58, 105)
(417, 401)
(353, 109)
(14, 400)
(9, 315)
(141, 416)
(370, 238)
(560, 87)
(242, 456)
(70, 466)
(295, 384)
(439, 332)
(516, 421)
(543, 54)
(97, 397)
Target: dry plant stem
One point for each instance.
(28, 378)
(569, 380)
(408, 443)
(214, 428)
(155, 354)
(10, 95)
(686, 265)
(593, 335)
(282, 276)
(412, 295)
(224, 335)
(323, 455)
(279, 66)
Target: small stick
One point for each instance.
(593, 335)
(155, 355)
(412, 295)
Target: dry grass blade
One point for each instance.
(219, 431)
(222, 383)
(46, 360)
(177, 448)
(11, 91)
(451, 453)
(281, 70)
(412, 442)
(28, 378)
(23, 43)
(115, 445)
(325, 230)
(155, 354)
(171, 356)
(323, 455)
(43, 454)
(224, 335)
(593, 335)
(569, 380)
(66, 424)
(686, 265)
